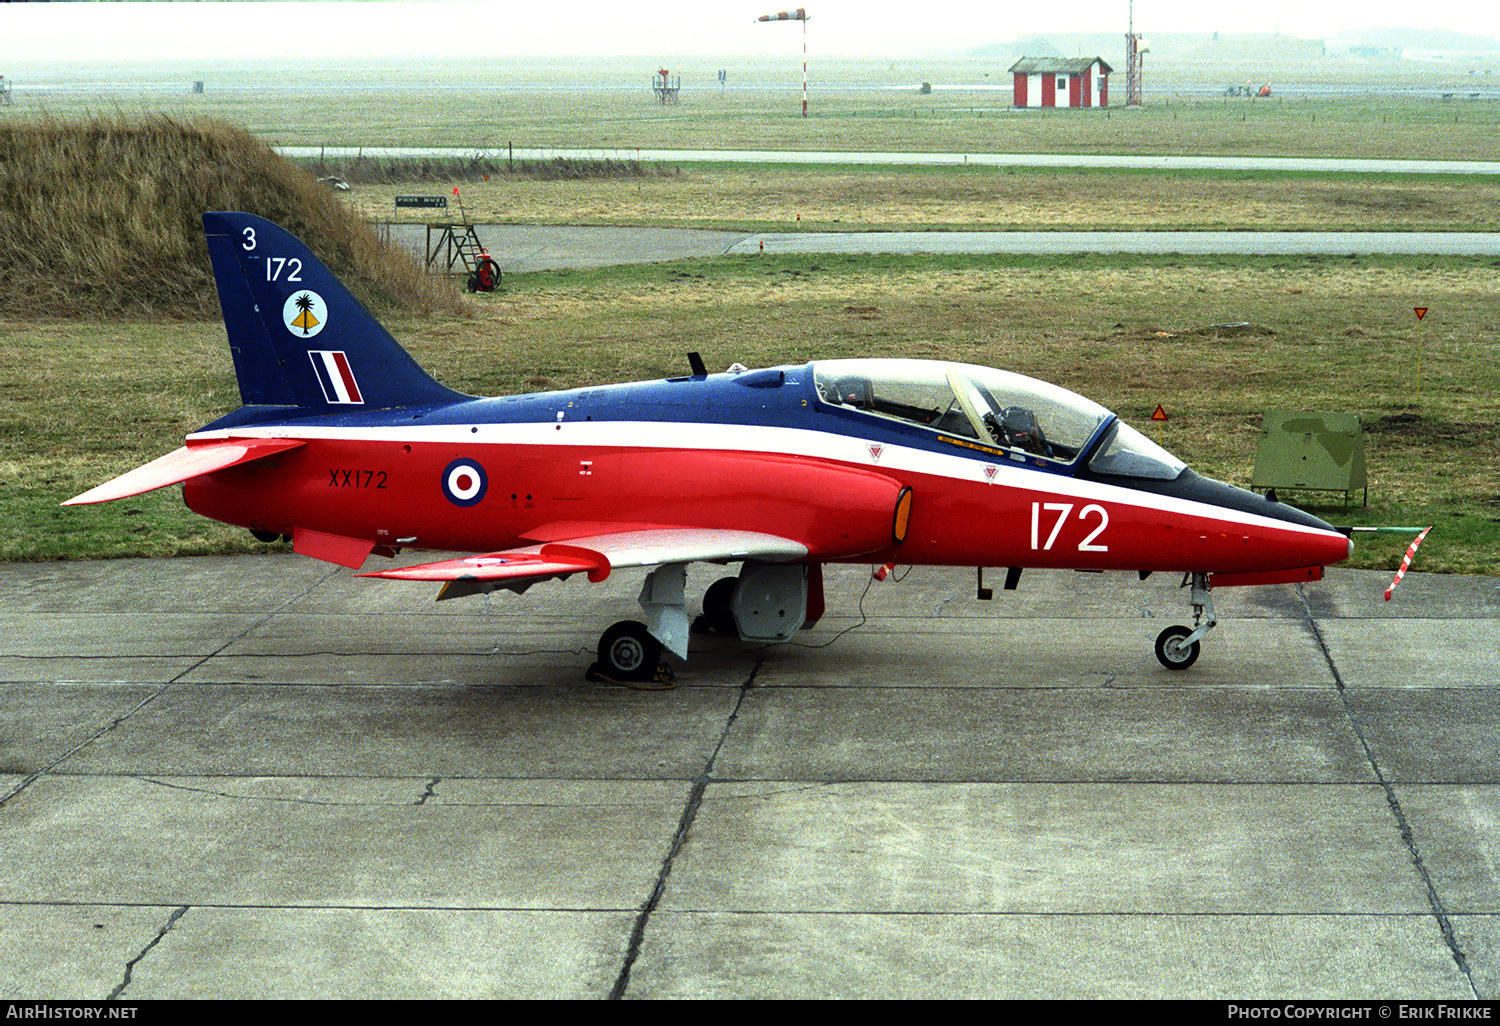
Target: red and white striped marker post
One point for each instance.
(1406, 562)
(1421, 312)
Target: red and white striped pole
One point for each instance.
(1421, 532)
(804, 61)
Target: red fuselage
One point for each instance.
(835, 493)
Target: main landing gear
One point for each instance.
(718, 606)
(767, 602)
(628, 653)
(1177, 647)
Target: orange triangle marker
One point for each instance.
(1421, 311)
(1160, 414)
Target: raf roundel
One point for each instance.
(304, 313)
(464, 482)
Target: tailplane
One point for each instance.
(297, 335)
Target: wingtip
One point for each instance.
(106, 492)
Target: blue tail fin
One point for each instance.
(298, 337)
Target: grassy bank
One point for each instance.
(101, 216)
(78, 406)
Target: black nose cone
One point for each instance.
(1196, 488)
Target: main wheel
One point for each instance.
(718, 605)
(629, 652)
(1170, 650)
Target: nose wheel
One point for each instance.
(1171, 650)
(1177, 647)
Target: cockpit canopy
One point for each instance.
(1031, 419)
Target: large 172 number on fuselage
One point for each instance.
(1041, 511)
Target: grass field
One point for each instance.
(855, 105)
(783, 198)
(1389, 127)
(81, 400)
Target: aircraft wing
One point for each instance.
(596, 555)
(192, 460)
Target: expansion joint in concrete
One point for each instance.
(122, 717)
(679, 839)
(1408, 836)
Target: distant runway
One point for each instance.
(1137, 162)
(520, 248)
(1161, 243)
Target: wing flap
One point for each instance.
(515, 570)
(596, 555)
(499, 566)
(655, 546)
(190, 461)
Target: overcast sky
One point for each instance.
(668, 28)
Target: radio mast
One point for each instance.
(1136, 48)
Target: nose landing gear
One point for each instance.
(1177, 647)
(1172, 650)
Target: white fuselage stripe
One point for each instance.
(751, 438)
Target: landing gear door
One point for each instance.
(770, 603)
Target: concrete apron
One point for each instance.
(261, 777)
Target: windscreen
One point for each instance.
(1128, 453)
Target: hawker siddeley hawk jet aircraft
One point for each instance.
(349, 448)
